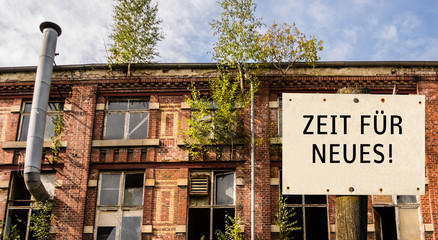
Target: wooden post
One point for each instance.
(351, 211)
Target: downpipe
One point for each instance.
(37, 122)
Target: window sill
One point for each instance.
(180, 143)
(22, 144)
(126, 143)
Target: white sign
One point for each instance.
(353, 144)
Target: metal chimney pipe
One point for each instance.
(37, 122)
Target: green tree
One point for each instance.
(135, 32)
(40, 220)
(237, 37)
(232, 229)
(214, 116)
(286, 44)
(284, 219)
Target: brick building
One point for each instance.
(123, 172)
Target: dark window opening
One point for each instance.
(199, 223)
(385, 223)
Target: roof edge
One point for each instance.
(138, 66)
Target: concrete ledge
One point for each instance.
(180, 229)
(240, 181)
(88, 229)
(16, 109)
(275, 181)
(275, 140)
(22, 144)
(149, 182)
(154, 106)
(100, 107)
(126, 143)
(370, 228)
(146, 229)
(92, 183)
(428, 227)
(275, 228)
(52, 229)
(67, 107)
(4, 184)
(182, 182)
(273, 104)
(185, 106)
(58, 183)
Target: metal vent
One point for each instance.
(199, 185)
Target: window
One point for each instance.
(52, 112)
(120, 204)
(207, 211)
(397, 217)
(311, 214)
(20, 206)
(127, 119)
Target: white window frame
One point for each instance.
(119, 210)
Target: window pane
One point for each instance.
(219, 218)
(225, 189)
(48, 132)
(298, 234)
(24, 127)
(115, 126)
(18, 218)
(316, 223)
(109, 192)
(53, 106)
(133, 189)
(138, 125)
(138, 105)
(293, 199)
(315, 199)
(20, 195)
(117, 105)
(27, 107)
(406, 199)
(106, 233)
(131, 227)
(199, 223)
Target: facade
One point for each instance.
(123, 172)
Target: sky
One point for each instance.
(352, 30)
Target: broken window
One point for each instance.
(127, 119)
(120, 205)
(52, 113)
(20, 206)
(208, 205)
(397, 217)
(311, 214)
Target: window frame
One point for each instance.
(127, 116)
(24, 204)
(212, 205)
(303, 205)
(120, 210)
(50, 114)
